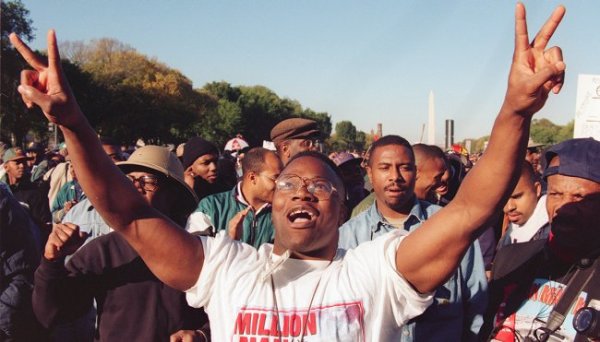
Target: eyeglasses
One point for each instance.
(148, 183)
(318, 187)
(267, 177)
(309, 143)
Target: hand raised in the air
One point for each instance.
(535, 70)
(46, 85)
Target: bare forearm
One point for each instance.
(490, 182)
(444, 238)
(104, 184)
(429, 255)
(149, 232)
(152, 235)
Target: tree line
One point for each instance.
(128, 96)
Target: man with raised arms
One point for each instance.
(320, 292)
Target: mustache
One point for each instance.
(395, 186)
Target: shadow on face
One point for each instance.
(572, 204)
(206, 167)
(16, 168)
(522, 202)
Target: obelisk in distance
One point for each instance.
(431, 124)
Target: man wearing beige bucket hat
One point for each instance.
(109, 270)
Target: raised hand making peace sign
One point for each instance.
(46, 85)
(431, 253)
(535, 71)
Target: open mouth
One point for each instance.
(301, 216)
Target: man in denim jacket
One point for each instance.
(457, 311)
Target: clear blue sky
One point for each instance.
(362, 61)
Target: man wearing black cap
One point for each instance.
(200, 159)
(530, 279)
(292, 136)
(17, 177)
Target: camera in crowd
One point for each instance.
(587, 322)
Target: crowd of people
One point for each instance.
(404, 242)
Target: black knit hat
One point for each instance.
(195, 148)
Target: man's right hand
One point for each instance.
(65, 239)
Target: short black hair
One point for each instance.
(254, 160)
(527, 171)
(428, 152)
(110, 141)
(389, 140)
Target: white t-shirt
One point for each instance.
(199, 222)
(359, 296)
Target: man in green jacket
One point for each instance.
(245, 211)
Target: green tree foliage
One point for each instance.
(134, 96)
(251, 111)
(345, 131)
(128, 96)
(546, 132)
(347, 137)
(566, 131)
(15, 121)
(542, 131)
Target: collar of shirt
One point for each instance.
(416, 215)
(239, 196)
